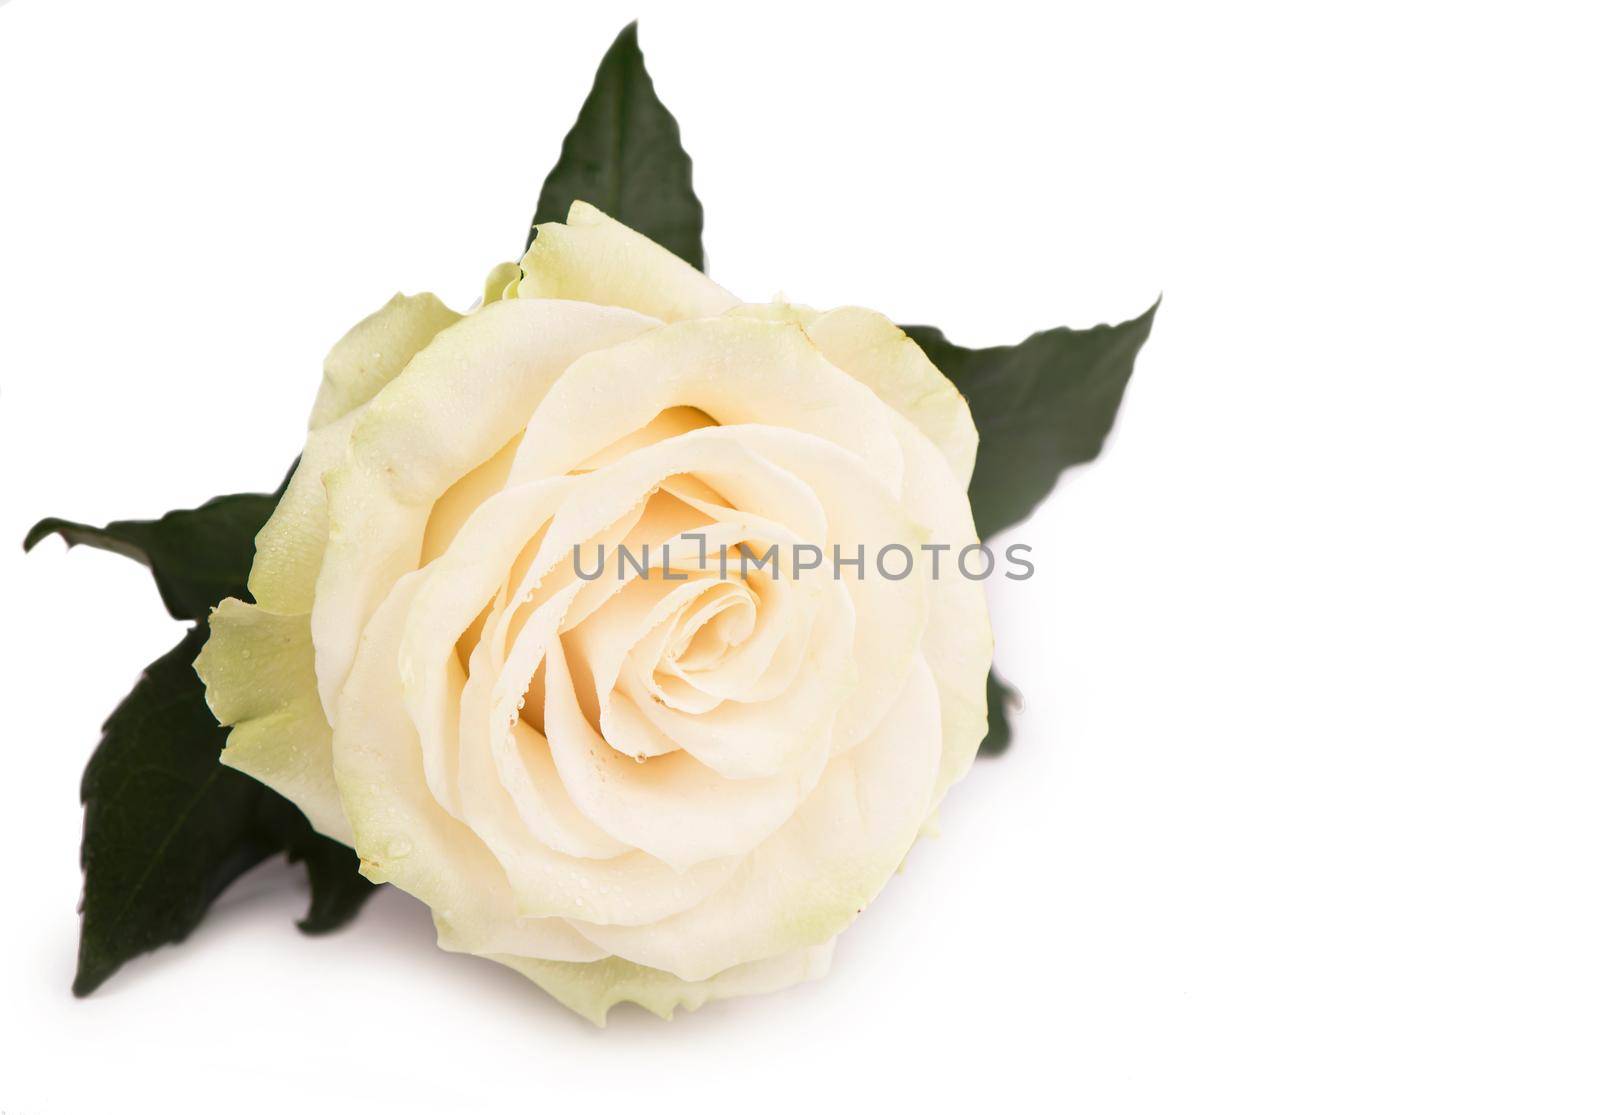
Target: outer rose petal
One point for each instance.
(593, 258)
(375, 351)
(593, 989)
(289, 547)
(258, 664)
(936, 421)
(877, 352)
(781, 311)
(259, 679)
(957, 643)
(810, 879)
(501, 282)
(708, 365)
(874, 349)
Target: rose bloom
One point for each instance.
(666, 787)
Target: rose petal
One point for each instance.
(375, 351)
(593, 989)
(735, 370)
(877, 352)
(810, 879)
(260, 680)
(593, 258)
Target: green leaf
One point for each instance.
(1040, 407)
(624, 157)
(197, 557)
(338, 890)
(167, 827)
(1002, 700)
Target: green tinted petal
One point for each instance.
(593, 258)
(877, 352)
(261, 681)
(501, 282)
(290, 546)
(592, 989)
(375, 351)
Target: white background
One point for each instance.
(1302, 812)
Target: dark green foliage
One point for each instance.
(167, 827)
(1002, 699)
(623, 156)
(197, 557)
(1040, 407)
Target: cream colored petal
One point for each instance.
(375, 351)
(603, 642)
(788, 477)
(957, 643)
(632, 888)
(261, 682)
(452, 509)
(550, 938)
(716, 455)
(401, 833)
(777, 474)
(593, 989)
(461, 582)
(669, 423)
(652, 537)
(776, 310)
(289, 547)
(593, 258)
(809, 880)
(629, 733)
(735, 370)
(457, 404)
(766, 660)
(518, 759)
(865, 518)
(875, 351)
(564, 828)
(761, 740)
(671, 807)
(737, 741)
(499, 795)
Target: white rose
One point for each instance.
(637, 788)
